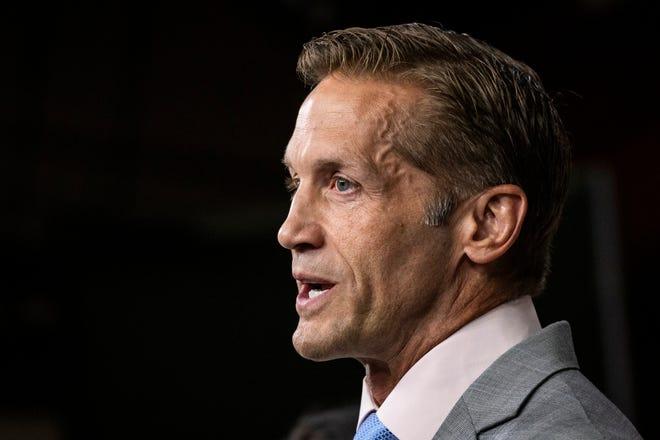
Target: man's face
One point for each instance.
(367, 267)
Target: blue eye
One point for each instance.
(343, 185)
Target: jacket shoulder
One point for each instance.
(566, 406)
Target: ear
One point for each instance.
(492, 223)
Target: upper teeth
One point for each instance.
(313, 293)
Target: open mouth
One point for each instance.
(317, 289)
(311, 288)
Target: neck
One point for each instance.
(383, 374)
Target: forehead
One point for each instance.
(348, 118)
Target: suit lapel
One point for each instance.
(458, 424)
(499, 392)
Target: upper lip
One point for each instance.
(307, 278)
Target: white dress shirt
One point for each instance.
(425, 395)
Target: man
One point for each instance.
(428, 173)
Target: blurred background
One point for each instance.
(143, 293)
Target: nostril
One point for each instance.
(302, 247)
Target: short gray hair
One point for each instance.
(486, 120)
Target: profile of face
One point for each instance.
(367, 267)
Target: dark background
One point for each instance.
(143, 292)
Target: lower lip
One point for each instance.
(305, 304)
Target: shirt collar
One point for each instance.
(425, 395)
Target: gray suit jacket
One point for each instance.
(536, 391)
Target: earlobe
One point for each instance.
(494, 223)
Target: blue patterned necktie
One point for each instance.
(372, 428)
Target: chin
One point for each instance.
(316, 346)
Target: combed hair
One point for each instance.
(485, 120)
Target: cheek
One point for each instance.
(405, 257)
(361, 240)
(376, 249)
(375, 242)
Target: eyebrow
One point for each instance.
(338, 163)
(334, 164)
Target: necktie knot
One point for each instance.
(372, 428)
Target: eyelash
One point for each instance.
(291, 183)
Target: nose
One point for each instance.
(301, 229)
